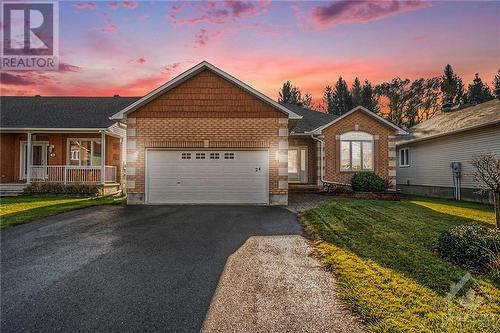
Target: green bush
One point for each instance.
(471, 246)
(368, 182)
(56, 188)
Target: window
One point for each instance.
(186, 156)
(356, 151)
(404, 157)
(85, 152)
(200, 156)
(214, 156)
(229, 156)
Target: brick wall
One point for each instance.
(384, 147)
(206, 112)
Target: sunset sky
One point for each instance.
(129, 48)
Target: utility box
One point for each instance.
(456, 168)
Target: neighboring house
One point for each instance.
(60, 140)
(206, 137)
(425, 156)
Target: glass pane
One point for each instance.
(345, 163)
(303, 155)
(85, 152)
(367, 156)
(96, 158)
(356, 155)
(37, 155)
(74, 152)
(359, 136)
(407, 157)
(292, 161)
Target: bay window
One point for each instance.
(356, 151)
(84, 152)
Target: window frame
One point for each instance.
(406, 158)
(92, 140)
(361, 141)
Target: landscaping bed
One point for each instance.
(384, 256)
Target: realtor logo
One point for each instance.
(30, 35)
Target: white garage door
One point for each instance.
(195, 177)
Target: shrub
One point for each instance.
(471, 246)
(56, 188)
(368, 182)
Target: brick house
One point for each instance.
(206, 137)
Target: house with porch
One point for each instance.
(204, 137)
(64, 140)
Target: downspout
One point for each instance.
(322, 147)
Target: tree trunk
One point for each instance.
(497, 207)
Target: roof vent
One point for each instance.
(116, 95)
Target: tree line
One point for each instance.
(405, 102)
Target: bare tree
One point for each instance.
(488, 174)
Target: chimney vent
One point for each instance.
(37, 96)
(116, 95)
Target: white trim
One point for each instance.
(365, 110)
(52, 130)
(192, 72)
(68, 150)
(22, 162)
(407, 158)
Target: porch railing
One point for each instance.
(72, 174)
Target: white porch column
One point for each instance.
(29, 154)
(103, 157)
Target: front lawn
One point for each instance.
(382, 253)
(17, 210)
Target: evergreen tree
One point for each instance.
(368, 97)
(328, 99)
(307, 100)
(479, 92)
(356, 93)
(496, 84)
(449, 85)
(289, 94)
(341, 97)
(461, 97)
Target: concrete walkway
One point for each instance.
(271, 284)
(299, 202)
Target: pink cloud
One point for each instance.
(15, 80)
(85, 5)
(113, 5)
(130, 4)
(141, 61)
(346, 11)
(203, 36)
(64, 67)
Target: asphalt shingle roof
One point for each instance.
(310, 119)
(60, 112)
(444, 123)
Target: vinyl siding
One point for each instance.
(430, 160)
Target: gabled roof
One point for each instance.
(192, 72)
(446, 123)
(36, 112)
(311, 119)
(368, 112)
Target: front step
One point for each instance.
(10, 190)
(303, 188)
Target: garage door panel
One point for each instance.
(233, 177)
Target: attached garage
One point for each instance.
(207, 177)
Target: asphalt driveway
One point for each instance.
(119, 268)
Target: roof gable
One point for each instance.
(366, 111)
(189, 74)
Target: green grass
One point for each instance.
(382, 253)
(18, 210)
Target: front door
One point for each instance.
(297, 164)
(38, 160)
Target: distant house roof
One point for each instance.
(446, 123)
(60, 112)
(311, 119)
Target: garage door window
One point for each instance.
(186, 156)
(214, 156)
(200, 156)
(229, 156)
